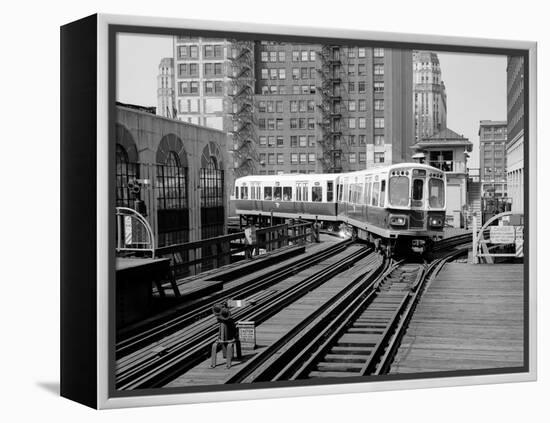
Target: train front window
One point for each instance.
(437, 193)
(268, 193)
(399, 191)
(418, 189)
(317, 194)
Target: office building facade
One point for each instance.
(492, 158)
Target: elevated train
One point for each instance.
(401, 205)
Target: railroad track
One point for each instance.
(159, 363)
(202, 307)
(358, 337)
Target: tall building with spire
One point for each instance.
(430, 97)
(166, 105)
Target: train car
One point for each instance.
(398, 205)
(290, 196)
(401, 205)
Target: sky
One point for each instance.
(475, 83)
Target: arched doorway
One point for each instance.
(172, 192)
(212, 193)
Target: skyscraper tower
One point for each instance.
(166, 105)
(430, 97)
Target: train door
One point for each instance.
(418, 188)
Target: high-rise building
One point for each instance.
(514, 143)
(492, 158)
(166, 105)
(298, 108)
(430, 97)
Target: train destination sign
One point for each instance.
(503, 234)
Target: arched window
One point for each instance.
(125, 172)
(211, 180)
(172, 183)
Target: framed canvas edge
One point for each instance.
(104, 401)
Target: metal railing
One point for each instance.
(133, 232)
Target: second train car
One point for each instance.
(401, 205)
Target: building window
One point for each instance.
(171, 184)
(378, 52)
(378, 87)
(311, 106)
(352, 158)
(293, 141)
(302, 104)
(294, 106)
(351, 105)
(263, 141)
(295, 56)
(351, 123)
(379, 123)
(351, 139)
(294, 158)
(362, 140)
(273, 56)
(194, 52)
(208, 51)
(351, 87)
(312, 56)
(271, 124)
(362, 123)
(279, 124)
(362, 157)
(361, 52)
(378, 104)
(261, 123)
(303, 158)
(194, 87)
(271, 141)
(293, 123)
(271, 158)
(378, 157)
(311, 123)
(125, 172)
(273, 73)
(311, 141)
(280, 141)
(302, 123)
(303, 141)
(379, 140)
(183, 52)
(351, 52)
(282, 56)
(305, 56)
(311, 157)
(295, 73)
(379, 69)
(362, 105)
(362, 86)
(264, 56)
(265, 74)
(280, 158)
(282, 73)
(351, 70)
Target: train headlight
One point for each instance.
(436, 221)
(398, 220)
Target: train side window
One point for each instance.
(305, 192)
(236, 192)
(330, 193)
(375, 193)
(268, 192)
(277, 193)
(369, 189)
(298, 192)
(244, 193)
(252, 193)
(317, 194)
(287, 193)
(382, 193)
(340, 192)
(259, 192)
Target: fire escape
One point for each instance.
(330, 107)
(242, 81)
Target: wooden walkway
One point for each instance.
(471, 317)
(279, 324)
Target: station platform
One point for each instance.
(469, 318)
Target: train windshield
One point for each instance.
(437, 193)
(399, 191)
